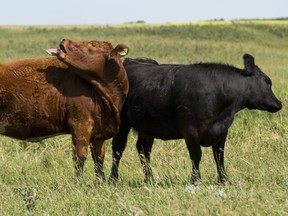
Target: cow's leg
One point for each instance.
(144, 146)
(218, 152)
(195, 152)
(98, 150)
(81, 134)
(119, 143)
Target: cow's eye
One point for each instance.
(91, 44)
(268, 83)
(91, 47)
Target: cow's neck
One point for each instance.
(111, 91)
(234, 93)
(107, 98)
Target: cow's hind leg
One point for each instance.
(218, 152)
(98, 150)
(119, 143)
(144, 147)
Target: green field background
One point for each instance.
(38, 178)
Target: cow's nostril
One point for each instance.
(280, 105)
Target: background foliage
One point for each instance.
(38, 178)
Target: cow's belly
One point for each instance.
(213, 133)
(161, 128)
(29, 128)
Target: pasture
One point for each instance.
(37, 178)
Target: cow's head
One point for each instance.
(260, 94)
(89, 56)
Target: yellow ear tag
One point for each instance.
(123, 52)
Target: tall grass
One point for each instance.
(38, 178)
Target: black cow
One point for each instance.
(196, 102)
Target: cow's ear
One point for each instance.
(120, 50)
(249, 63)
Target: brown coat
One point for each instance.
(81, 92)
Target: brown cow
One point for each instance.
(80, 92)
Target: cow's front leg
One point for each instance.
(81, 134)
(218, 152)
(80, 151)
(98, 150)
(195, 152)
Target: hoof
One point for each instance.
(149, 180)
(223, 181)
(195, 180)
(112, 180)
(100, 177)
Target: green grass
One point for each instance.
(38, 178)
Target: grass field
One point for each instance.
(37, 178)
